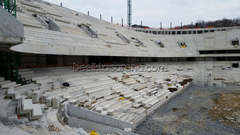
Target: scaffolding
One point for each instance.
(10, 6)
(9, 65)
(9, 60)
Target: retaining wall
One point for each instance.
(81, 113)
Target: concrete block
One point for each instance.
(2, 79)
(55, 103)
(49, 101)
(36, 96)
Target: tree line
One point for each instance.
(218, 23)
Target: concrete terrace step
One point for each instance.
(9, 85)
(25, 106)
(16, 93)
(2, 79)
(4, 82)
(36, 113)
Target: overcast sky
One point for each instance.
(152, 12)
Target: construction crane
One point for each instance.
(129, 13)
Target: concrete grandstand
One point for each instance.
(64, 80)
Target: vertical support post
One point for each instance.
(122, 22)
(15, 9)
(111, 19)
(9, 65)
(129, 13)
(170, 25)
(100, 16)
(15, 74)
(192, 24)
(141, 24)
(181, 25)
(61, 4)
(160, 25)
(19, 59)
(88, 13)
(1, 60)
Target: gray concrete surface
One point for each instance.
(11, 30)
(89, 126)
(80, 113)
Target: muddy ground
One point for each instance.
(197, 111)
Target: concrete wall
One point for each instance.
(139, 119)
(53, 25)
(88, 125)
(81, 113)
(11, 30)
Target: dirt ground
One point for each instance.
(197, 111)
(227, 109)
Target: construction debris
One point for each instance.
(52, 128)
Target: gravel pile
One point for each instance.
(187, 114)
